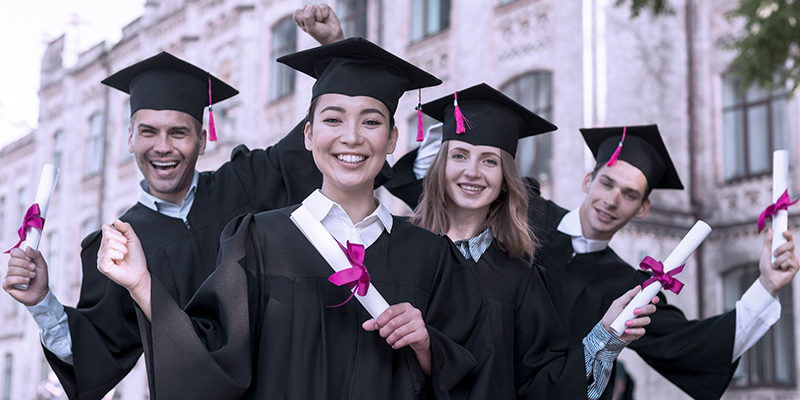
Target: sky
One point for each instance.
(27, 28)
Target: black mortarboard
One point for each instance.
(358, 67)
(492, 118)
(643, 148)
(165, 82)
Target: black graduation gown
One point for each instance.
(105, 336)
(261, 326)
(532, 358)
(694, 355)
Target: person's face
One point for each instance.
(166, 145)
(474, 176)
(613, 198)
(349, 140)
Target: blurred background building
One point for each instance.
(578, 63)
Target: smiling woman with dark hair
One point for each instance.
(271, 323)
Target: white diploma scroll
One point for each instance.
(47, 184)
(780, 183)
(678, 257)
(329, 248)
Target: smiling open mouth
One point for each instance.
(350, 158)
(164, 166)
(605, 215)
(471, 188)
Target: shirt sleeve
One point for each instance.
(600, 350)
(756, 312)
(53, 327)
(428, 150)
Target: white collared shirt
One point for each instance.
(571, 225)
(756, 311)
(165, 207)
(338, 223)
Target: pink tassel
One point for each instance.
(212, 131)
(461, 122)
(419, 118)
(614, 156)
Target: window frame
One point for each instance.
(444, 9)
(743, 105)
(350, 19)
(279, 72)
(94, 146)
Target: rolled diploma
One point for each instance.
(329, 249)
(44, 193)
(678, 257)
(780, 182)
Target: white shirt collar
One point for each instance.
(338, 223)
(165, 207)
(571, 225)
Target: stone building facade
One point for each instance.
(579, 63)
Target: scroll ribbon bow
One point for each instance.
(356, 278)
(33, 219)
(783, 203)
(668, 280)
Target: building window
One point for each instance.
(284, 41)
(353, 17)
(7, 371)
(753, 127)
(2, 216)
(125, 155)
(53, 258)
(94, 146)
(23, 203)
(770, 363)
(58, 149)
(429, 17)
(535, 92)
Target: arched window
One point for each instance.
(534, 91)
(284, 41)
(94, 145)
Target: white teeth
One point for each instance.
(164, 165)
(471, 188)
(605, 215)
(350, 158)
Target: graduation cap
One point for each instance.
(642, 147)
(490, 118)
(358, 67)
(165, 82)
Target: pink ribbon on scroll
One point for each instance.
(356, 278)
(32, 219)
(783, 203)
(668, 280)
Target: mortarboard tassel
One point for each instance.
(614, 156)
(461, 122)
(419, 118)
(212, 131)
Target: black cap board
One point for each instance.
(643, 148)
(165, 82)
(358, 67)
(493, 118)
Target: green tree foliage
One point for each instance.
(768, 52)
(768, 49)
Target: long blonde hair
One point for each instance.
(508, 214)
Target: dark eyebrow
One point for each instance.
(334, 108)
(173, 128)
(372, 111)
